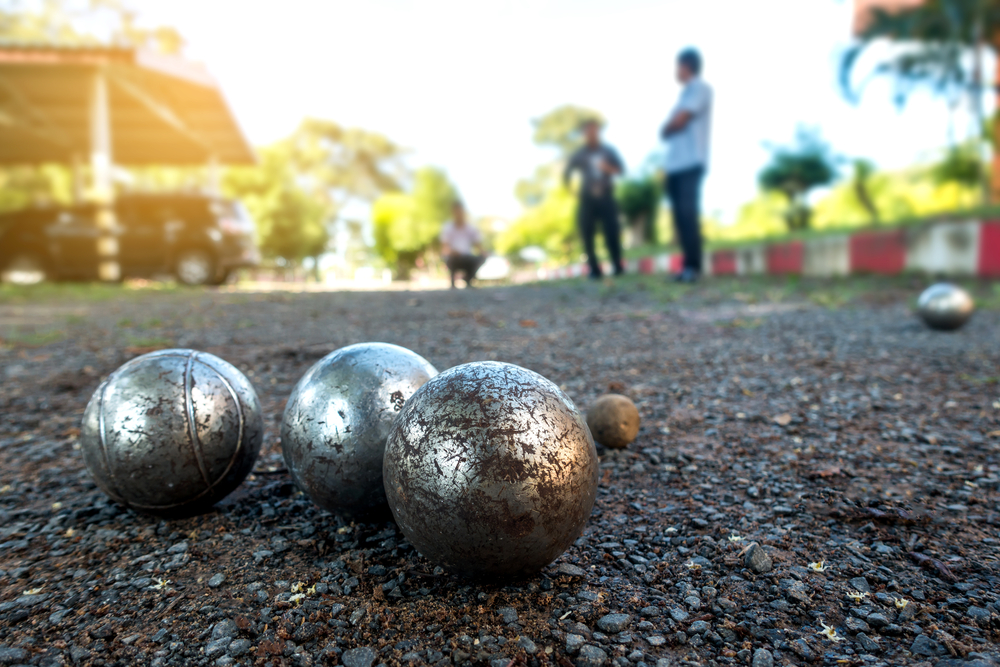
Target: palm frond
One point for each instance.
(933, 41)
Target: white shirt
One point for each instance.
(462, 239)
(689, 147)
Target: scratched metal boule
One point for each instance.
(338, 417)
(172, 432)
(945, 306)
(490, 470)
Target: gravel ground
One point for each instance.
(811, 484)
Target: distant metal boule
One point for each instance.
(338, 417)
(945, 306)
(490, 470)
(172, 432)
(613, 420)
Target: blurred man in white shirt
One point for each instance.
(687, 134)
(461, 246)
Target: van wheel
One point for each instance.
(220, 277)
(24, 268)
(194, 267)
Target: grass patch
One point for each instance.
(149, 342)
(128, 323)
(982, 380)
(32, 338)
(764, 289)
(829, 299)
(86, 292)
(988, 297)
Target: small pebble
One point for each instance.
(678, 614)
(226, 628)
(924, 645)
(757, 559)
(590, 656)
(877, 620)
(507, 614)
(868, 644)
(762, 658)
(11, 656)
(358, 657)
(529, 646)
(570, 570)
(574, 642)
(699, 628)
(217, 646)
(614, 623)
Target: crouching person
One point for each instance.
(461, 246)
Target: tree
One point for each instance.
(345, 169)
(795, 170)
(346, 165)
(861, 183)
(639, 200)
(21, 187)
(406, 225)
(549, 225)
(962, 164)
(939, 45)
(92, 22)
(759, 218)
(291, 222)
(910, 193)
(559, 129)
(548, 218)
(306, 182)
(51, 23)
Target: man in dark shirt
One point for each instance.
(598, 164)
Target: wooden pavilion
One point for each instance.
(111, 105)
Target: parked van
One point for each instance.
(197, 238)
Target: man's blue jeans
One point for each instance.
(684, 191)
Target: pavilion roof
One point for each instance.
(164, 110)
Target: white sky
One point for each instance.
(457, 81)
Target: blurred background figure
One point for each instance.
(598, 164)
(461, 246)
(687, 134)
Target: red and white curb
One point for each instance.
(969, 248)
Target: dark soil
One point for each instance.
(776, 433)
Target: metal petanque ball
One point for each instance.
(172, 432)
(613, 420)
(490, 470)
(338, 417)
(945, 306)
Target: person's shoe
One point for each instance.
(686, 276)
(595, 276)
